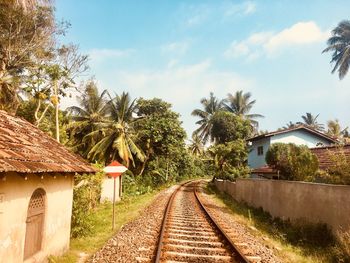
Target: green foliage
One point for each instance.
(26, 110)
(229, 159)
(86, 196)
(338, 43)
(338, 171)
(228, 127)
(292, 161)
(115, 137)
(210, 106)
(27, 35)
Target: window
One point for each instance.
(260, 150)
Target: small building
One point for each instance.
(36, 192)
(299, 135)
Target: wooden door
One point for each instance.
(34, 223)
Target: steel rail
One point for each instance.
(239, 255)
(165, 218)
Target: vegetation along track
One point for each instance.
(189, 234)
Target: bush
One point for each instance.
(339, 170)
(230, 160)
(293, 162)
(86, 196)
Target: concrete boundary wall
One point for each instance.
(314, 203)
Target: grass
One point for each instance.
(126, 210)
(297, 242)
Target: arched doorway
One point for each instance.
(34, 223)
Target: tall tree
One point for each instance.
(210, 105)
(335, 130)
(196, 147)
(159, 131)
(339, 44)
(116, 136)
(92, 111)
(27, 33)
(240, 104)
(67, 65)
(228, 127)
(311, 121)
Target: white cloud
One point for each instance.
(176, 47)
(99, 55)
(299, 34)
(269, 43)
(244, 8)
(197, 15)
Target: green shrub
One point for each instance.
(229, 160)
(293, 162)
(339, 170)
(86, 196)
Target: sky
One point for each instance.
(180, 51)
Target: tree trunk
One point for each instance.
(56, 113)
(37, 123)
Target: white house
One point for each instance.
(299, 135)
(36, 192)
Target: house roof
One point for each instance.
(324, 154)
(24, 148)
(299, 127)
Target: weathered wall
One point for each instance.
(16, 193)
(294, 200)
(107, 189)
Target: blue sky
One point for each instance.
(182, 50)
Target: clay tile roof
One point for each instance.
(26, 149)
(298, 127)
(324, 154)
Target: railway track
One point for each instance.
(190, 234)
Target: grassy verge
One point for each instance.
(297, 242)
(126, 210)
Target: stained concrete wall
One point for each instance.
(311, 202)
(15, 193)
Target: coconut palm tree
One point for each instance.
(210, 105)
(289, 125)
(116, 135)
(339, 44)
(196, 147)
(91, 111)
(311, 121)
(334, 129)
(240, 104)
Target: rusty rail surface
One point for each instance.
(226, 241)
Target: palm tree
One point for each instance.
(196, 147)
(289, 125)
(240, 104)
(210, 107)
(311, 121)
(91, 111)
(334, 129)
(339, 44)
(116, 135)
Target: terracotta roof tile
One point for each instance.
(324, 154)
(26, 149)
